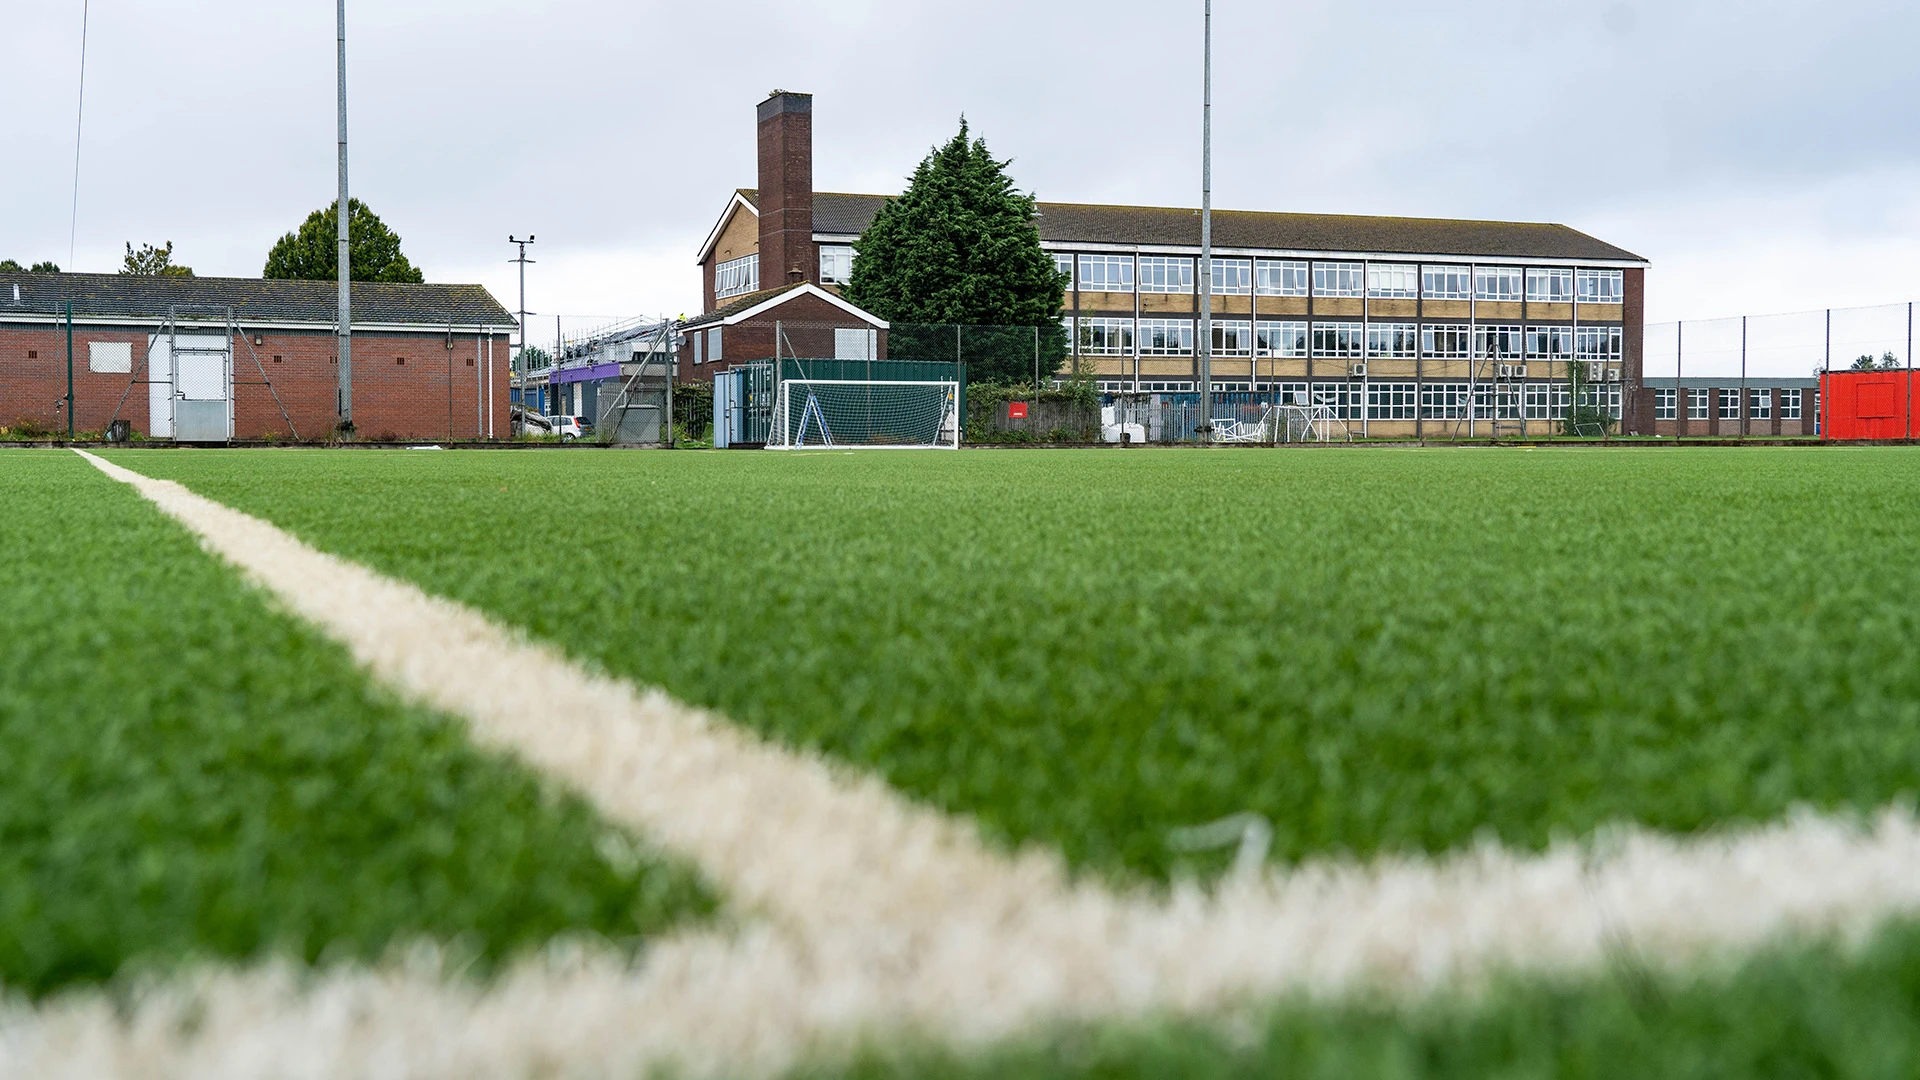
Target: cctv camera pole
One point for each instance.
(346, 292)
(1206, 231)
(523, 261)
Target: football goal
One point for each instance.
(857, 414)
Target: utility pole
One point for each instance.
(523, 261)
(1206, 230)
(346, 274)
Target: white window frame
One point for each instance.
(1280, 338)
(1601, 286)
(1499, 284)
(836, 264)
(1392, 400)
(1166, 274)
(1446, 282)
(1443, 400)
(1666, 403)
(714, 343)
(1393, 340)
(737, 277)
(1393, 281)
(1232, 337)
(1339, 279)
(1512, 341)
(1102, 335)
(1339, 340)
(1790, 403)
(1232, 277)
(1348, 400)
(1550, 285)
(1286, 393)
(1699, 403)
(1760, 402)
(1282, 277)
(1598, 343)
(1106, 273)
(1729, 403)
(1447, 341)
(1064, 265)
(1549, 342)
(1154, 336)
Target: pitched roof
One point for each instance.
(252, 299)
(739, 304)
(738, 307)
(1066, 223)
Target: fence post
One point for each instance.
(1682, 401)
(1908, 428)
(1746, 402)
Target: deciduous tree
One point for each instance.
(153, 261)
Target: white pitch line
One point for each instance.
(885, 915)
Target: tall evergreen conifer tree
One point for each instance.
(959, 246)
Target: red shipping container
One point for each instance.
(1867, 405)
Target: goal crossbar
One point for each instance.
(866, 414)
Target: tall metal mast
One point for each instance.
(523, 261)
(1206, 230)
(346, 274)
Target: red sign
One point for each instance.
(1017, 410)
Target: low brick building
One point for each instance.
(429, 361)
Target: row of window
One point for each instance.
(1383, 281)
(1666, 402)
(1119, 336)
(1446, 400)
(1403, 400)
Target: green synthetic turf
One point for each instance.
(185, 772)
(1799, 1011)
(1087, 649)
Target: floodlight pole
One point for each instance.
(345, 329)
(1206, 228)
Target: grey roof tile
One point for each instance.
(1067, 223)
(258, 299)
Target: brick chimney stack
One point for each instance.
(787, 253)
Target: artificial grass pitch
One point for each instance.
(1796, 1010)
(185, 772)
(1377, 650)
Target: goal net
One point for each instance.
(859, 414)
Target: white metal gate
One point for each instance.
(190, 387)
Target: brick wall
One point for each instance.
(436, 393)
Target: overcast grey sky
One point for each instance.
(1761, 154)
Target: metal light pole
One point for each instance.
(346, 274)
(1206, 229)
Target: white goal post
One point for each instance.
(866, 414)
